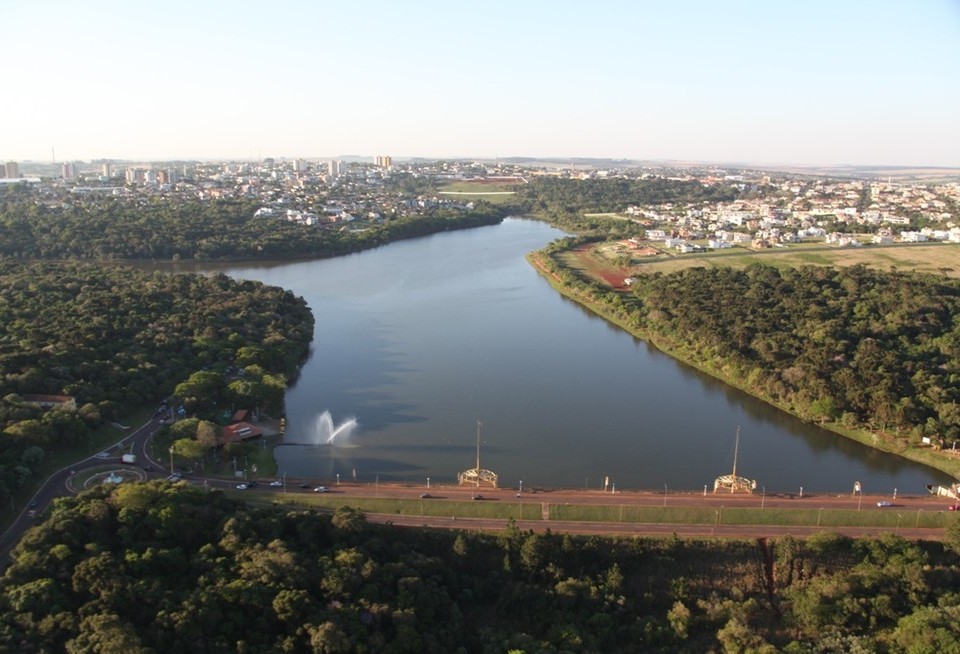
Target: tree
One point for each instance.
(189, 448)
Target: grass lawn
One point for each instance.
(495, 193)
(870, 516)
(935, 258)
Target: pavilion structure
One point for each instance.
(478, 476)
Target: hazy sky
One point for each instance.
(761, 81)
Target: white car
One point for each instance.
(241, 487)
(320, 489)
(276, 483)
(883, 503)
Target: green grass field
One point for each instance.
(870, 516)
(495, 193)
(935, 258)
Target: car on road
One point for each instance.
(320, 489)
(953, 507)
(241, 487)
(306, 484)
(884, 504)
(252, 483)
(276, 483)
(478, 497)
(424, 496)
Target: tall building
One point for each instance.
(106, 170)
(383, 161)
(68, 171)
(11, 170)
(299, 165)
(334, 168)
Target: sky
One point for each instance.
(811, 82)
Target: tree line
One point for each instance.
(154, 567)
(115, 338)
(571, 203)
(856, 346)
(176, 229)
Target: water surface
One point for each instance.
(421, 339)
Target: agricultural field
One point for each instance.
(611, 262)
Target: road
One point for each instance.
(57, 485)
(910, 507)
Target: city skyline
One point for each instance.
(814, 83)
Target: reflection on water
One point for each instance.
(420, 339)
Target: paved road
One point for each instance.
(910, 507)
(57, 485)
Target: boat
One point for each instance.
(733, 482)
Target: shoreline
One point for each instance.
(878, 441)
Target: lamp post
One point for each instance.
(763, 496)
(664, 495)
(521, 485)
(704, 490)
(428, 482)
(918, 519)
(819, 511)
(171, 460)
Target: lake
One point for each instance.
(429, 343)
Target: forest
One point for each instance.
(173, 230)
(570, 203)
(115, 338)
(860, 347)
(155, 567)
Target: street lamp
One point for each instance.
(664, 495)
(428, 482)
(521, 485)
(819, 511)
(763, 497)
(171, 460)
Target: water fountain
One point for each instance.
(326, 433)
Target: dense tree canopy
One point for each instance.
(115, 338)
(169, 229)
(863, 347)
(880, 349)
(573, 203)
(159, 568)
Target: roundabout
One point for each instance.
(105, 474)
